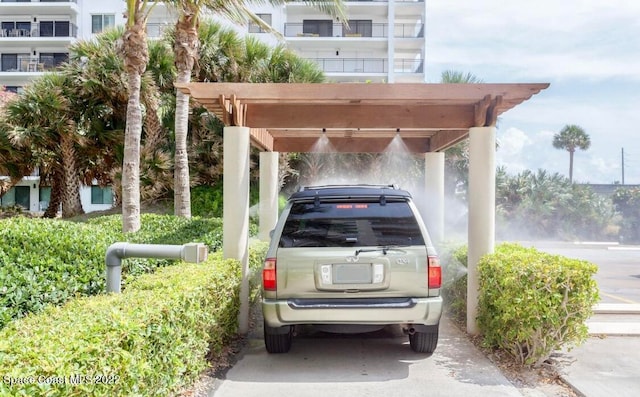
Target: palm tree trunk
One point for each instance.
(136, 58)
(56, 196)
(186, 52)
(182, 193)
(131, 161)
(571, 166)
(71, 204)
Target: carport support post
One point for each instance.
(235, 214)
(434, 182)
(268, 193)
(482, 211)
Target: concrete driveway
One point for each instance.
(323, 365)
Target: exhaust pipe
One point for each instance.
(410, 330)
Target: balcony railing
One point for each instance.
(39, 1)
(27, 63)
(368, 65)
(70, 30)
(403, 30)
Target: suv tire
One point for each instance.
(424, 342)
(277, 342)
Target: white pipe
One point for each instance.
(193, 252)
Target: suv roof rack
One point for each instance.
(350, 192)
(364, 185)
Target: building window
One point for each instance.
(359, 28)
(45, 197)
(55, 29)
(255, 28)
(102, 22)
(315, 27)
(50, 60)
(17, 195)
(101, 195)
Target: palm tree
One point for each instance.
(186, 52)
(136, 57)
(570, 138)
(44, 120)
(98, 73)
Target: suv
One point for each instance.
(354, 256)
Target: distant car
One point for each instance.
(356, 256)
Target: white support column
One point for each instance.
(268, 193)
(434, 183)
(235, 214)
(482, 211)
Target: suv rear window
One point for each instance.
(350, 224)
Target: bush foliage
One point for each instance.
(46, 261)
(454, 290)
(532, 303)
(133, 347)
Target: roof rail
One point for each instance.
(389, 186)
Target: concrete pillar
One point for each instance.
(434, 183)
(482, 211)
(235, 214)
(268, 193)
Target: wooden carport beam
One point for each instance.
(262, 139)
(445, 139)
(486, 111)
(349, 145)
(234, 112)
(360, 116)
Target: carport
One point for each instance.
(359, 118)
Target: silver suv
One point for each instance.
(355, 256)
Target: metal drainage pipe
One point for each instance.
(192, 252)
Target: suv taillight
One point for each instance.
(269, 275)
(435, 272)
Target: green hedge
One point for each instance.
(150, 340)
(454, 286)
(532, 303)
(44, 261)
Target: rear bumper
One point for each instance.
(425, 311)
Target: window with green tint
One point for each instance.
(101, 195)
(17, 195)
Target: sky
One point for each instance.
(588, 50)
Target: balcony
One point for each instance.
(14, 63)
(40, 30)
(367, 65)
(42, 7)
(374, 30)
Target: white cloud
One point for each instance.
(541, 40)
(589, 50)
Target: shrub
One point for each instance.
(136, 347)
(532, 303)
(45, 261)
(454, 287)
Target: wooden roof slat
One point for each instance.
(436, 115)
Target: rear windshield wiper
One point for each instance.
(384, 249)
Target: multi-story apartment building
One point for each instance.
(383, 41)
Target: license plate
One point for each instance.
(352, 273)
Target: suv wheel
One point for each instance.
(424, 342)
(276, 341)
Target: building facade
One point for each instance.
(383, 41)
